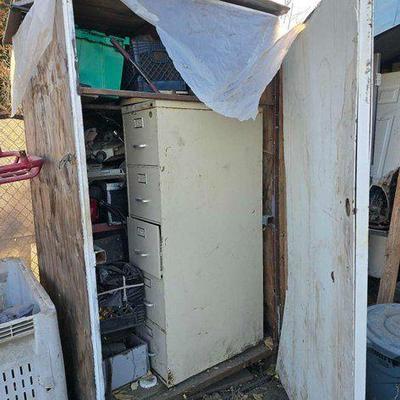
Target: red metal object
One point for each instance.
(23, 166)
(94, 211)
(104, 227)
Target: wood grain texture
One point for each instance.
(274, 211)
(269, 228)
(114, 17)
(282, 210)
(322, 351)
(58, 210)
(131, 95)
(14, 19)
(388, 281)
(109, 16)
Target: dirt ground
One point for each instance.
(258, 383)
(272, 390)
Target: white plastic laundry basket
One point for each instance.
(31, 361)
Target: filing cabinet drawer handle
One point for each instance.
(140, 200)
(148, 304)
(140, 253)
(139, 146)
(152, 354)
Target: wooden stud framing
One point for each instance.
(281, 189)
(131, 95)
(388, 281)
(274, 211)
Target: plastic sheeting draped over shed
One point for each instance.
(226, 53)
(29, 44)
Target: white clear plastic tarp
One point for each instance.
(29, 43)
(227, 54)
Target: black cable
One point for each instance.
(113, 305)
(116, 212)
(112, 120)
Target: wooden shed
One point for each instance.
(315, 182)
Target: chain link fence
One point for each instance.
(17, 233)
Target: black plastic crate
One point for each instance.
(123, 322)
(153, 59)
(121, 296)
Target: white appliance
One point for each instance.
(195, 229)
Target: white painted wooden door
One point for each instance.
(386, 155)
(326, 109)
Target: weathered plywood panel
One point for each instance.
(325, 89)
(53, 124)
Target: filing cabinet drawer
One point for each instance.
(144, 246)
(155, 303)
(144, 192)
(157, 342)
(141, 143)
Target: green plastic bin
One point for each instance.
(100, 64)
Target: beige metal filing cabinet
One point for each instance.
(195, 181)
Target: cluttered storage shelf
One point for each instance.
(152, 151)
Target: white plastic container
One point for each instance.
(376, 252)
(31, 360)
(128, 366)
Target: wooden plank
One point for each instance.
(22, 3)
(115, 17)
(239, 378)
(54, 131)
(274, 211)
(268, 6)
(388, 281)
(213, 375)
(14, 20)
(281, 200)
(326, 110)
(267, 98)
(269, 216)
(131, 94)
(209, 377)
(361, 208)
(104, 227)
(110, 16)
(101, 107)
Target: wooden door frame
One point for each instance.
(274, 210)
